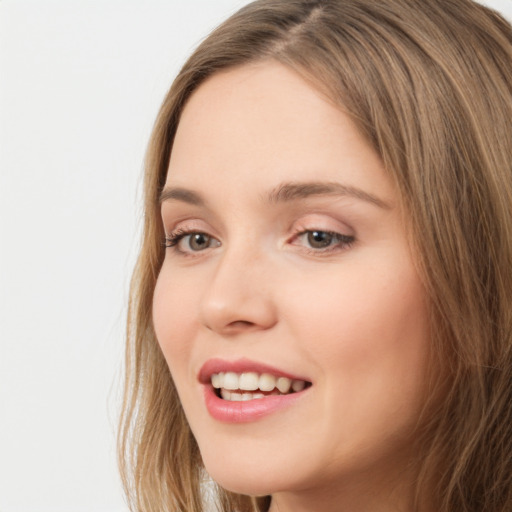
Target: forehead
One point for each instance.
(262, 124)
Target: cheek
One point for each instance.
(367, 335)
(350, 304)
(367, 332)
(174, 306)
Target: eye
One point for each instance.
(190, 241)
(319, 239)
(323, 241)
(198, 241)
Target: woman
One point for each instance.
(321, 311)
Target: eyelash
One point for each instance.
(175, 237)
(343, 241)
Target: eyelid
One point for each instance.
(342, 242)
(185, 222)
(323, 223)
(342, 235)
(174, 238)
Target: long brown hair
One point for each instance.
(430, 86)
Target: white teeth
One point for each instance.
(230, 380)
(232, 384)
(267, 382)
(283, 384)
(217, 380)
(298, 385)
(233, 396)
(249, 381)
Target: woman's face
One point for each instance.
(288, 256)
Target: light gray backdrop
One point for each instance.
(80, 84)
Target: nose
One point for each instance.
(239, 296)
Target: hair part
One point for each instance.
(429, 84)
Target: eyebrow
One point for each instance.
(284, 192)
(292, 191)
(181, 194)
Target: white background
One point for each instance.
(80, 85)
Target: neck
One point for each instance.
(356, 493)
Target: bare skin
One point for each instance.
(318, 282)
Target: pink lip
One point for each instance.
(250, 410)
(245, 412)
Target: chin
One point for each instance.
(248, 477)
(244, 484)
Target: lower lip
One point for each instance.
(250, 410)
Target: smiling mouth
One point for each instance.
(241, 387)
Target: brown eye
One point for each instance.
(320, 239)
(198, 241)
(187, 242)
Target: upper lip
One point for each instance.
(243, 365)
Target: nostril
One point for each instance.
(240, 325)
(228, 309)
